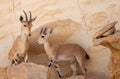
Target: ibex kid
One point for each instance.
(63, 52)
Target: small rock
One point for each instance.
(77, 77)
(3, 73)
(30, 71)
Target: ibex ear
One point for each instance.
(41, 31)
(21, 19)
(45, 31)
(51, 30)
(33, 19)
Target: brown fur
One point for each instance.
(63, 52)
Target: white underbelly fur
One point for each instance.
(63, 58)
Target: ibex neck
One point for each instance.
(24, 37)
(47, 45)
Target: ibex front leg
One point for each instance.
(74, 68)
(57, 68)
(26, 58)
(50, 63)
(13, 62)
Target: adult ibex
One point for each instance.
(63, 52)
(19, 50)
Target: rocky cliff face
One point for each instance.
(75, 21)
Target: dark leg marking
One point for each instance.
(59, 74)
(85, 69)
(16, 60)
(50, 63)
(13, 61)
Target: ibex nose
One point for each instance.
(29, 34)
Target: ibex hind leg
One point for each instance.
(26, 58)
(73, 67)
(81, 64)
(11, 62)
(58, 70)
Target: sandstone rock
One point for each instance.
(3, 73)
(112, 42)
(30, 71)
(90, 75)
(77, 77)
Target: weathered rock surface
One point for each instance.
(28, 71)
(31, 71)
(3, 73)
(112, 42)
(77, 77)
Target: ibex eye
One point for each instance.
(24, 25)
(42, 36)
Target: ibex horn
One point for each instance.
(31, 19)
(41, 31)
(30, 16)
(25, 15)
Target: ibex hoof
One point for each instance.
(59, 74)
(26, 61)
(49, 65)
(85, 69)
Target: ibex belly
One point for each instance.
(64, 58)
